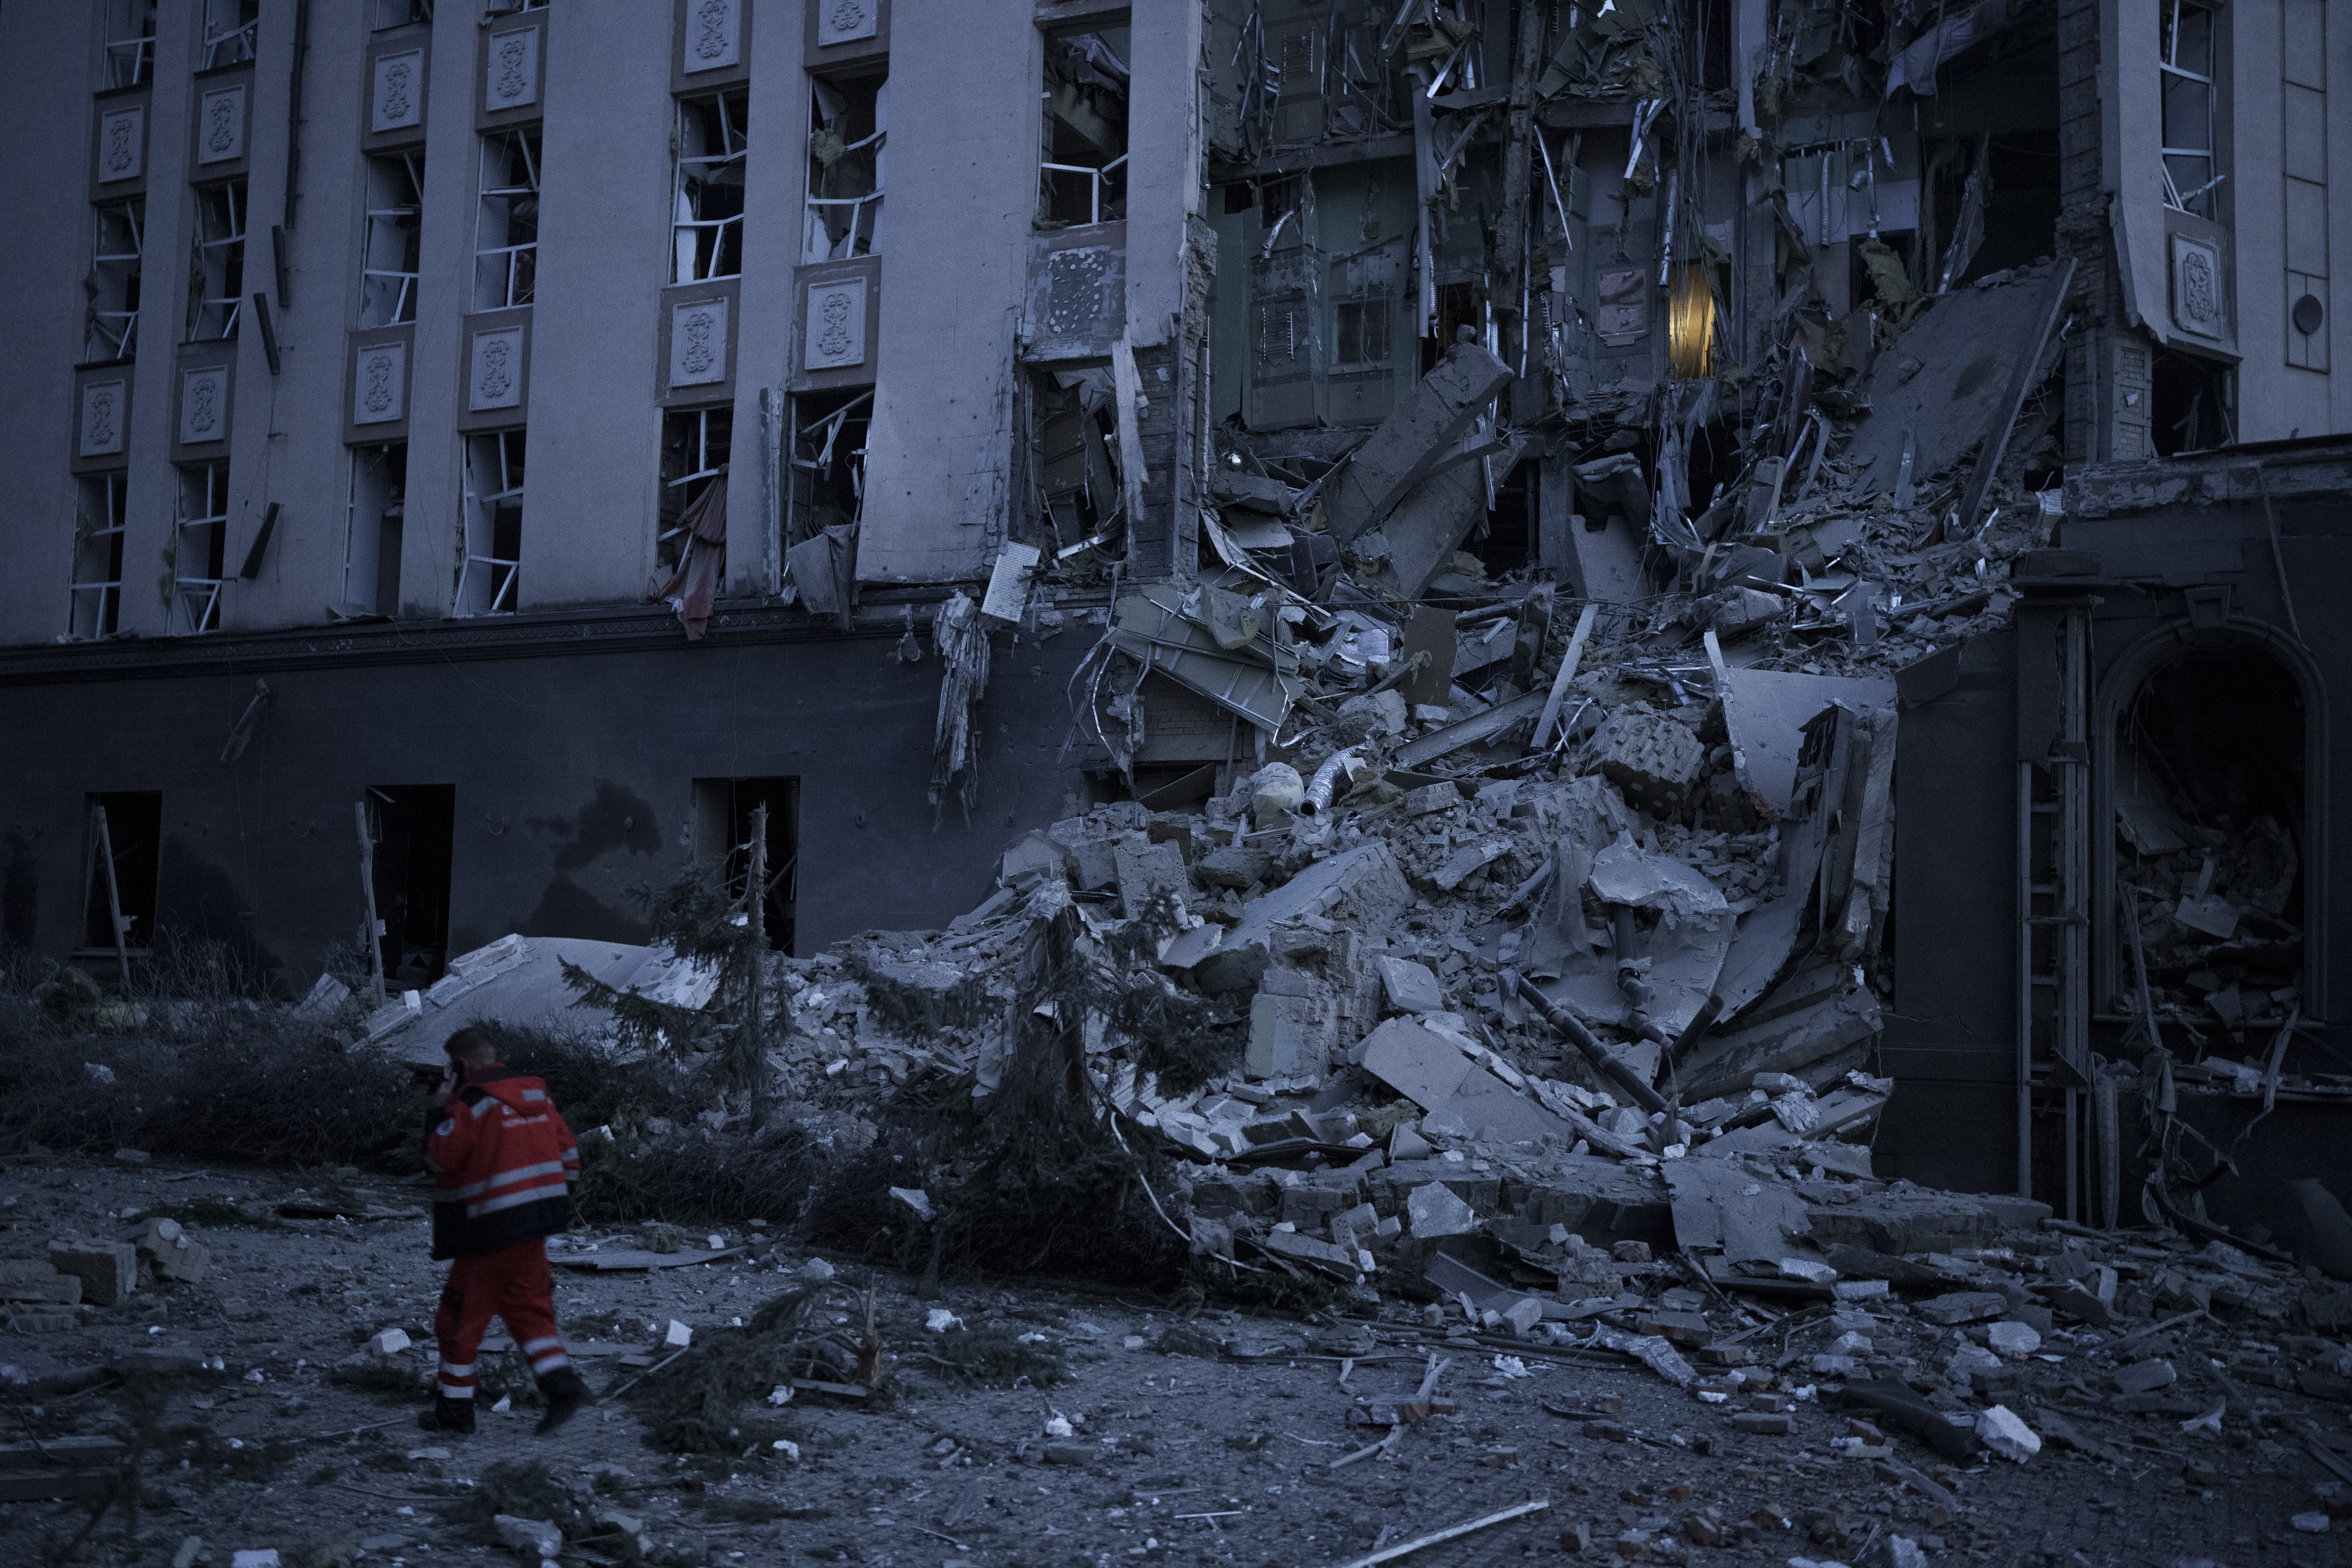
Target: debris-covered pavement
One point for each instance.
(2030, 1395)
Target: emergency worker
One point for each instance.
(503, 1167)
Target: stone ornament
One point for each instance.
(102, 407)
(399, 99)
(513, 69)
(2196, 287)
(123, 143)
(496, 380)
(380, 384)
(220, 125)
(714, 35)
(846, 21)
(203, 405)
(698, 344)
(834, 334)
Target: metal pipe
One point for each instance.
(1326, 778)
(1596, 1053)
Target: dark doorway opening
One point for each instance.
(134, 834)
(1505, 542)
(2210, 838)
(722, 831)
(415, 830)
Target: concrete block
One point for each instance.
(389, 1341)
(1431, 798)
(1655, 760)
(2014, 1339)
(2006, 1436)
(1413, 438)
(1410, 985)
(108, 1270)
(1288, 1035)
(2145, 1376)
(1032, 859)
(1146, 869)
(1237, 866)
(1433, 1210)
(1523, 1315)
(1963, 1307)
(172, 1253)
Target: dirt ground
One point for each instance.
(1224, 1458)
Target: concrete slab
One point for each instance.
(519, 980)
(1435, 1074)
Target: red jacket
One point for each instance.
(503, 1165)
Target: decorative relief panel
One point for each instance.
(846, 21)
(512, 67)
(496, 380)
(123, 143)
(103, 405)
(2196, 287)
(203, 405)
(398, 100)
(714, 34)
(380, 384)
(833, 336)
(220, 125)
(1075, 290)
(697, 343)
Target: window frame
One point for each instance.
(668, 528)
(477, 521)
(816, 242)
(530, 140)
(362, 456)
(380, 218)
(214, 521)
(232, 195)
(2200, 202)
(132, 211)
(241, 43)
(686, 231)
(141, 46)
(105, 619)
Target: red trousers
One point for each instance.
(512, 1283)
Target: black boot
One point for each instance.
(448, 1415)
(565, 1394)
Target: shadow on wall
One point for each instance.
(567, 909)
(20, 895)
(196, 900)
(613, 820)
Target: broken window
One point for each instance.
(694, 447)
(216, 266)
(401, 13)
(1361, 338)
(2184, 31)
(388, 264)
(411, 835)
(849, 129)
(200, 546)
(506, 225)
(111, 329)
(828, 461)
(96, 598)
(707, 190)
(378, 513)
(2191, 403)
(130, 42)
(126, 840)
(723, 810)
(1077, 436)
(1083, 176)
(491, 538)
(231, 31)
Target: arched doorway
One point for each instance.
(2212, 860)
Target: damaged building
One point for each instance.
(1822, 520)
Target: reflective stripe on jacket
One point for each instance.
(503, 1164)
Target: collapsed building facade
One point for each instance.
(937, 426)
